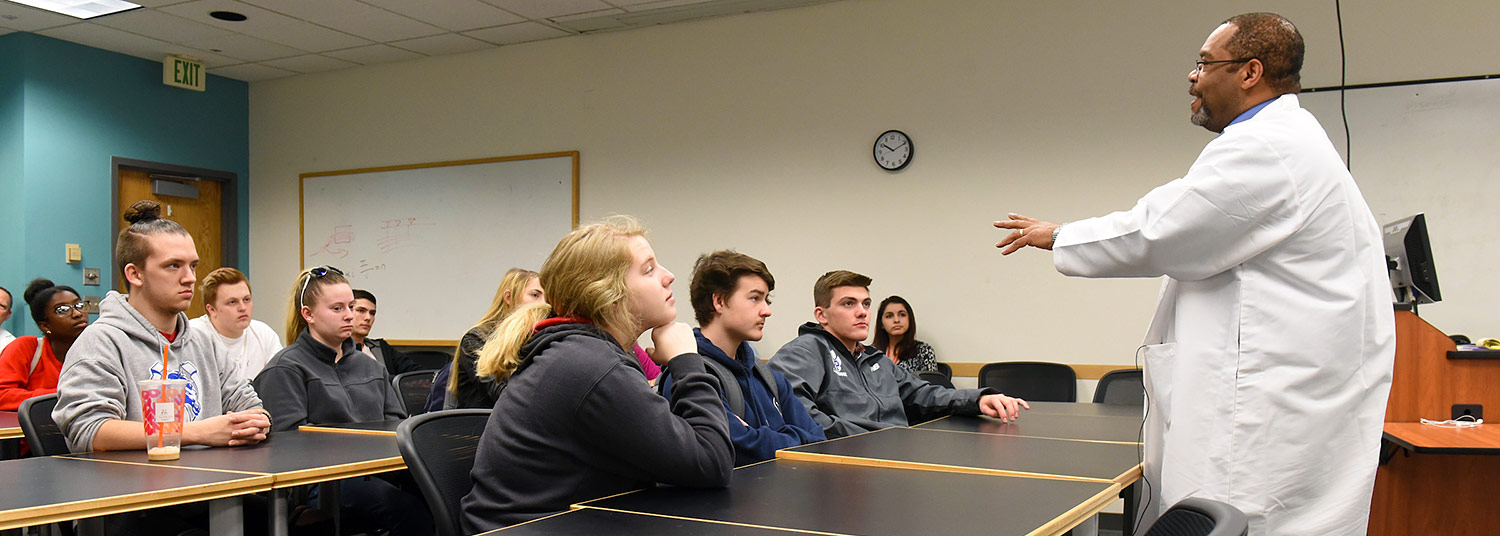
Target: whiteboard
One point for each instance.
(432, 241)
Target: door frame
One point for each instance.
(229, 204)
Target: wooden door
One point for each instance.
(201, 217)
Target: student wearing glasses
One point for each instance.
(29, 365)
(320, 378)
(6, 301)
(577, 419)
(98, 404)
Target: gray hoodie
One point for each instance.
(851, 394)
(98, 380)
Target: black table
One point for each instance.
(51, 489)
(292, 458)
(848, 499)
(589, 521)
(939, 450)
(1084, 409)
(1104, 429)
(374, 428)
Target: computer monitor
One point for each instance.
(1408, 254)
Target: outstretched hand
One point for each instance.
(1027, 232)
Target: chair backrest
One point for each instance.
(936, 378)
(439, 449)
(1200, 517)
(1031, 380)
(429, 359)
(412, 388)
(42, 433)
(1121, 388)
(945, 369)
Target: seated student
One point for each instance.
(321, 379)
(464, 389)
(896, 334)
(576, 420)
(98, 406)
(388, 356)
(29, 365)
(850, 388)
(6, 300)
(249, 343)
(731, 295)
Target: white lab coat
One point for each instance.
(1268, 362)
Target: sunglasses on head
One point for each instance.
(315, 273)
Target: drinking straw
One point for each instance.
(163, 397)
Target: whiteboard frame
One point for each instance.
(301, 207)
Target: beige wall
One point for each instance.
(754, 132)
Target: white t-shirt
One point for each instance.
(5, 338)
(250, 351)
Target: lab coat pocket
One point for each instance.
(1160, 359)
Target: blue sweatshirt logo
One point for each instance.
(185, 371)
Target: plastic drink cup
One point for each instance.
(162, 408)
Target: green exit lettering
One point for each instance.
(187, 73)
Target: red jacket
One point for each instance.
(17, 381)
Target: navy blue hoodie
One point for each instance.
(772, 425)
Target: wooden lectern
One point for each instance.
(1437, 480)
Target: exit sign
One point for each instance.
(182, 72)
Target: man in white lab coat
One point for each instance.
(1268, 361)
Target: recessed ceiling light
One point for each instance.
(83, 9)
(227, 15)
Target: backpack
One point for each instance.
(731, 387)
(35, 358)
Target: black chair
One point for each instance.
(936, 378)
(412, 388)
(429, 359)
(42, 434)
(1121, 388)
(1200, 517)
(1031, 380)
(945, 369)
(439, 449)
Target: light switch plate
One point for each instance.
(91, 277)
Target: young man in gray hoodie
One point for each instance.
(98, 404)
(851, 388)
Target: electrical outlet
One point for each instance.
(91, 303)
(1474, 410)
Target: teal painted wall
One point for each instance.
(78, 108)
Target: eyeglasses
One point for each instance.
(65, 309)
(1198, 65)
(318, 272)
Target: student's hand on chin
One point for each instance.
(671, 340)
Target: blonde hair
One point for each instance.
(584, 277)
(309, 294)
(209, 287)
(512, 286)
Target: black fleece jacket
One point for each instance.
(577, 421)
(302, 384)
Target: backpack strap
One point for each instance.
(35, 358)
(729, 386)
(762, 371)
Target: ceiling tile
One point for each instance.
(267, 25)
(589, 15)
(454, 15)
(439, 45)
(517, 33)
(656, 4)
(106, 38)
(541, 9)
(251, 72)
(352, 17)
(159, 25)
(245, 47)
(367, 55)
(29, 19)
(311, 63)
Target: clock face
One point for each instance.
(893, 150)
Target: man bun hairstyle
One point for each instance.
(133, 245)
(823, 289)
(40, 291)
(718, 274)
(1273, 40)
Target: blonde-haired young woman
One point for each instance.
(464, 389)
(577, 420)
